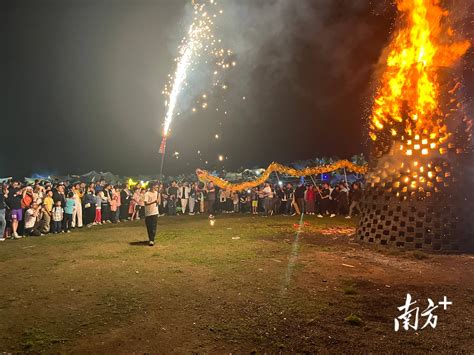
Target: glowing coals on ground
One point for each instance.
(413, 103)
(199, 46)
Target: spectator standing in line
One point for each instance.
(3, 207)
(183, 195)
(57, 216)
(69, 211)
(77, 220)
(235, 201)
(99, 197)
(267, 194)
(309, 199)
(48, 204)
(299, 197)
(124, 203)
(89, 206)
(192, 199)
(15, 196)
(114, 208)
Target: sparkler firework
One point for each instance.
(200, 46)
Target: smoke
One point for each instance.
(268, 37)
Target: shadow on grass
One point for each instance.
(139, 243)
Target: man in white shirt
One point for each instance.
(151, 213)
(267, 199)
(183, 195)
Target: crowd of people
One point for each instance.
(45, 207)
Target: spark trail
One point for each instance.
(200, 46)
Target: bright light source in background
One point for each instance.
(221, 157)
(216, 136)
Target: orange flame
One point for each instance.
(406, 104)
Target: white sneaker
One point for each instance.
(151, 243)
(319, 216)
(348, 217)
(332, 215)
(2, 239)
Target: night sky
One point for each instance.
(82, 81)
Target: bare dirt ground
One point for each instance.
(246, 284)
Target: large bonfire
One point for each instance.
(416, 112)
(416, 196)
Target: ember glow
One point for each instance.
(409, 115)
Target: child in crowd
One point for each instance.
(235, 201)
(57, 215)
(98, 207)
(134, 207)
(254, 198)
(114, 205)
(68, 211)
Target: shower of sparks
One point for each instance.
(199, 46)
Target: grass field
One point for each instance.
(245, 284)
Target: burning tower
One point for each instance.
(419, 194)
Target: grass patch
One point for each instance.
(34, 339)
(353, 320)
(419, 255)
(107, 277)
(350, 290)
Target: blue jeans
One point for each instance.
(3, 222)
(56, 227)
